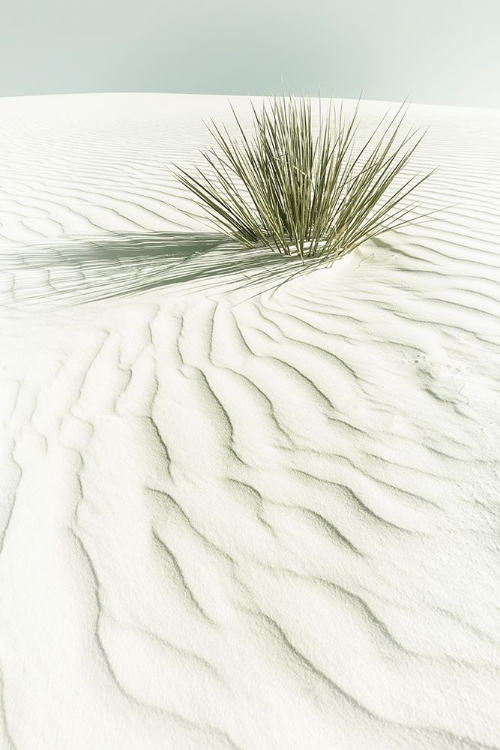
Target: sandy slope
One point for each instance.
(266, 525)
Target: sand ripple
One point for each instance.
(256, 524)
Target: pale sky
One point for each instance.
(431, 51)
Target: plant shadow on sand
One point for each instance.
(77, 270)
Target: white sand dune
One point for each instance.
(270, 524)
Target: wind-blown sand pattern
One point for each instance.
(265, 524)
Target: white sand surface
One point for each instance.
(270, 524)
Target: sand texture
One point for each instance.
(242, 524)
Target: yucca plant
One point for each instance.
(299, 194)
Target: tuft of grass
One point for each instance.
(301, 194)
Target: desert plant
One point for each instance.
(298, 194)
